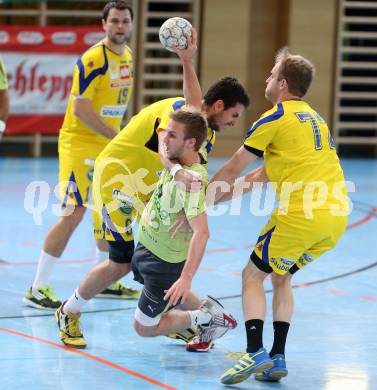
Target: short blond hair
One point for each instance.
(296, 70)
(195, 125)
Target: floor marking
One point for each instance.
(93, 357)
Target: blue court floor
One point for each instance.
(332, 344)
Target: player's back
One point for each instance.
(142, 129)
(301, 150)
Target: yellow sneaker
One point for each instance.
(118, 291)
(250, 363)
(69, 329)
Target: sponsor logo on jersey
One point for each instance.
(89, 162)
(114, 70)
(112, 111)
(120, 84)
(126, 201)
(89, 174)
(124, 72)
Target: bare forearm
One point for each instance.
(243, 185)
(195, 253)
(191, 87)
(86, 113)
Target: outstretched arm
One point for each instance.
(191, 87)
(230, 171)
(244, 184)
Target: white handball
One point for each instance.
(173, 32)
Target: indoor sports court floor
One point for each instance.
(332, 344)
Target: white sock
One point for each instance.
(46, 264)
(74, 303)
(101, 256)
(199, 317)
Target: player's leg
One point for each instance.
(152, 317)
(74, 187)
(256, 358)
(282, 309)
(103, 274)
(112, 217)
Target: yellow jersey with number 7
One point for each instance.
(300, 157)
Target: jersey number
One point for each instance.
(307, 116)
(122, 96)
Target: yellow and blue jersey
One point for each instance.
(142, 130)
(105, 78)
(298, 148)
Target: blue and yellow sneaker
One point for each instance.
(274, 374)
(250, 363)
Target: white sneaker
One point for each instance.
(219, 317)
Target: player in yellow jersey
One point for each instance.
(126, 173)
(101, 89)
(301, 159)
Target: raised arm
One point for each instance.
(191, 87)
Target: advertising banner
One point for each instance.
(39, 63)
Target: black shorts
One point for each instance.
(121, 252)
(157, 276)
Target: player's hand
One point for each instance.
(188, 181)
(181, 224)
(189, 52)
(178, 292)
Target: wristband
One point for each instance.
(2, 126)
(175, 168)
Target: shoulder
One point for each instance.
(268, 118)
(94, 57)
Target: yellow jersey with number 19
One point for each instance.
(300, 157)
(105, 78)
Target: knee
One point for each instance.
(119, 270)
(251, 274)
(73, 216)
(279, 281)
(144, 331)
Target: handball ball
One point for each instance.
(173, 32)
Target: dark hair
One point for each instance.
(195, 125)
(296, 70)
(117, 4)
(229, 90)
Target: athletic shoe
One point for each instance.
(250, 363)
(117, 290)
(69, 328)
(202, 342)
(274, 374)
(220, 317)
(44, 298)
(185, 335)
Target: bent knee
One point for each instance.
(144, 325)
(280, 280)
(145, 331)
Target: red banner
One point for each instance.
(39, 63)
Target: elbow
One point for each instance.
(204, 234)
